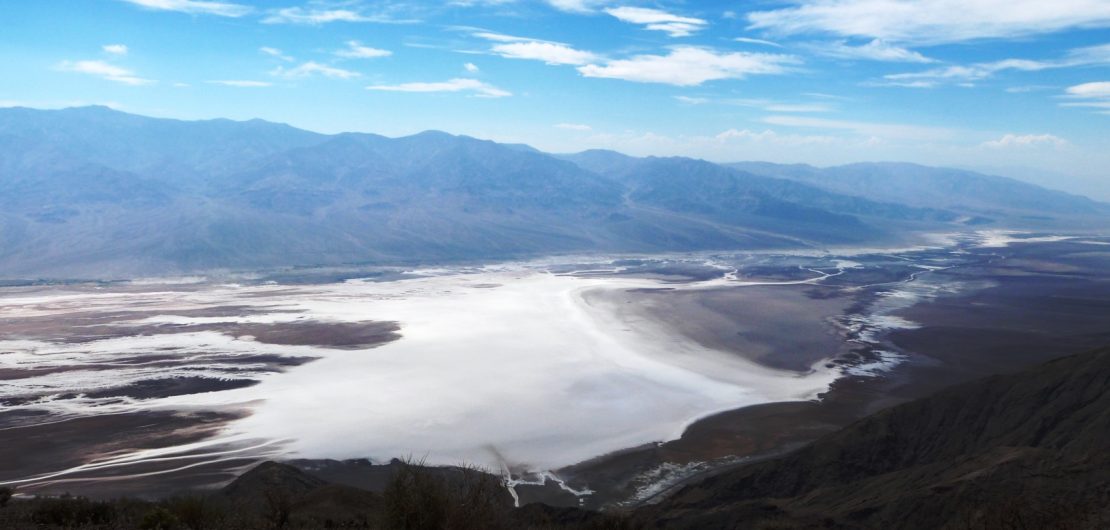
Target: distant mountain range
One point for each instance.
(95, 193)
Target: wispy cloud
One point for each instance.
(690, 66)
(470, 67)
(762, 104)
(1098, 89)
(312, 68)
(575, 6)
(1024, 141)
(1091, 55)
(115, 49)
(317, 16)
(573, 127)
(105, 70)
(778, 106)
(658, 20)
(501, 37)
(692, 100)
(195, 7)
(761, 42)
(241, 83)
(548, 52)
(932, 21)
(355, 50)
(274, 52)
(513, 47)
(475, 86)
(1094, 95)
(880, 130)
(876, 50)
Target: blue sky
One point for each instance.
(1020, 87)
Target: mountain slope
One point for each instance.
(1028, 447)
(95, 193)
(952, 189)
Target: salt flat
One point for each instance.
(493, 367)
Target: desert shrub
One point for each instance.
(415, 500)
(72, 511)
(196, 512)
(477, 502)
(158, 519)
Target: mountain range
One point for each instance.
(95, 193)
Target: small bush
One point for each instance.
(195, 512)
(158, 519)
(73, 511)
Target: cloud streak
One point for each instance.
(195, 7)
(355, 50)
(691, 66)
(876, 50)
(478, 88)
(658, 20)
(241, 83)
(932, 21)
(1092, 55)
(1025, 141)
(313, 68)
(106, 71)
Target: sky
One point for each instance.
(1013, 87)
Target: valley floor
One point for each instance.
(548, 372)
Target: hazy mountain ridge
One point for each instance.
(919, 185)
(92, 192)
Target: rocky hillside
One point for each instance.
(1027, 450)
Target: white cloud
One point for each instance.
(355, 50)
(692, 100)
(690, 66)
(1092, 95)
(1028, 88)
(312, 68)
(769, 136)
(1025, 140)
(241, 83)
(932, 21)
(1092, 55)
(657, 20)
(514, 47)
(300, 15)
(1098, 89)
(470, 67)
(479, 88)
(501, 37)
(274, 52)
(573, 127)
(575, 6)
(548, 52)
(775, 106)
(115, 49)
(762, 104)
(105, 70)
(195, 7)
(876, 50)
(749, 40)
